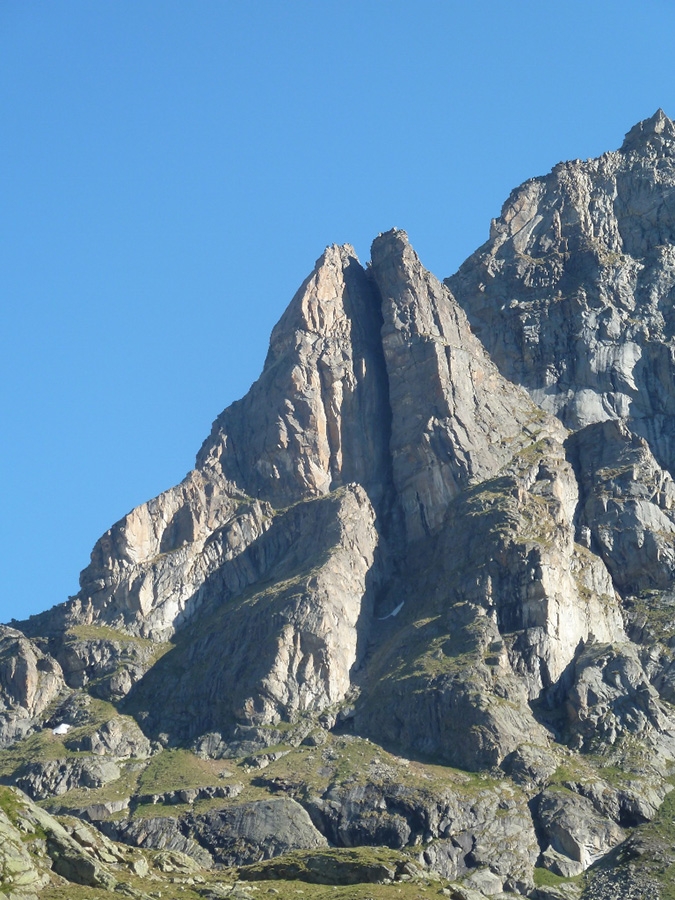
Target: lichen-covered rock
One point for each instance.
(19, 875)
(75, 856)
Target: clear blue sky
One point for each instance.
(169, 172)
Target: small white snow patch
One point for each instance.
(394, 612)
(61, 729)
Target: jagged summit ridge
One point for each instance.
(658, 130)
(372, 378)
(323, 386)
(442, 521)
(572, 294)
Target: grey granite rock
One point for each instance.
(120, 738)
(611, 697)
(571, 293)
(19, 875)
(30, 680)
(285, 648)
(455, 421)
(54, 777)
(239, 835)
(574, 830)
(628, 505)
(157, 833)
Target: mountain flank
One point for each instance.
(408, 626)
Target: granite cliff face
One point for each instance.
(442, 522)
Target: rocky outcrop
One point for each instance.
(120, 738)
(459, 832)
(574, 833)
(191, 795)
(455, 421)
(146, 573)
(30, 681)
(232, 836)
(628, 506)
(611, 697)
(279, 650)
(632, 802)
(239, 835)
(35, 844)
(107, 665)
(505, 605)
(317, 418)
(157, 833)
(571, 295)
(336, 868)
(19, 875)
(54, 777)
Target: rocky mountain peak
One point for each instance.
(657, 132)
(442, 521)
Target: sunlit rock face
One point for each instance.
(572, 295)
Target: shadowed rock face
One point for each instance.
(442, 518)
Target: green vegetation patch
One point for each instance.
(15, 810)
(657, 610)
(172, 770)
(544, 878)
(356, 865)
(37, 747)
(103, 633)
(11, 804)
(349, 760)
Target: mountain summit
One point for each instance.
(422, 574)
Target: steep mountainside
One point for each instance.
(421, 577)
